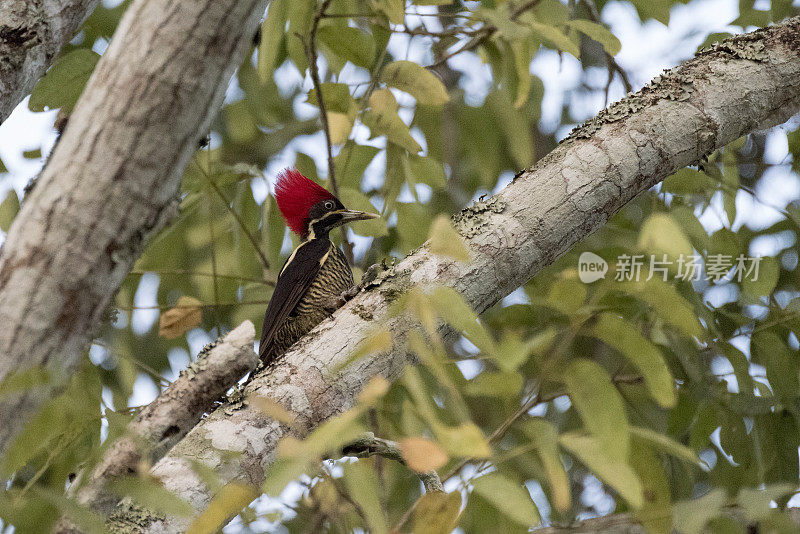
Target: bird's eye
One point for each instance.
(328, 204)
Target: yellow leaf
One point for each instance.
(186, 314)
(417, 81)
(445, 241)
(340, 125)
(8, 209)
(422, 455)
(616, 473)
(273, 409)
(437, 513)
(374, 390)
(225, 504)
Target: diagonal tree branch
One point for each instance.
(745, 83)
(112, 181)
(163, 422)
(31, 35)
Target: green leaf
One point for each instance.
(773, 352)
(351, 163)
(689, 517)
(445, 241)
(356, 200)
(299, 13)
(8, 210)
(393, 9)
(3, 167)
(86, 520)
(415, 80)
(600, 406)
(567, 295)
(64, 82)
(670, 306)
(382, 119)
(228, 502)
(521, 54)
(494, 384)
(515, 128)
(759, 276)
(667, 444)
(556, 38)
(466, 441)
(656, 512)
(426, 170)
(451, 307)
(35, 153)
(660, 234)
(362, 485)
(281, 472)
(337, 97)
(688, 182)
(272, 33)
(599, 33)
(511, 498)
(645, 356)
(615, 473)
(757, 503)
(349, 43)
(545, 436)
(152, 496)
(332, 435)
(24, 379)
(730, 183)
(656, 9)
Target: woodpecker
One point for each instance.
(316, 279)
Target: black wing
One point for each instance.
(294, 280)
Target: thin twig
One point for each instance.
(187, 272)
(369, 445)
(534, 401)
(235, 215)
(215, 286)
(484, 34)
(201, 305)
(613, 66)
(311, 53)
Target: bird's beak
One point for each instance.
(352, 215)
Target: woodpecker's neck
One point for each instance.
(320, 228)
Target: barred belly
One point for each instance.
(334, 277)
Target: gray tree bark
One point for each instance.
(746, 83)
(31, 34)
(112, 181)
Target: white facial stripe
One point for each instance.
(321, 220)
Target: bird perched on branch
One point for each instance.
(316, 279)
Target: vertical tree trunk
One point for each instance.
(112, 181)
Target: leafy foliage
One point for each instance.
(669, 397)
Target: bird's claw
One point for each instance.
(348, 294)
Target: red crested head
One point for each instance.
(296, 195)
